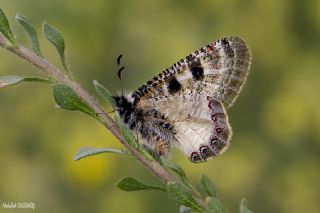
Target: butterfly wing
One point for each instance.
(192, 95)
(218, 70)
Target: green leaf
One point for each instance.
(32, 34)
(89, 151)
(104, 93)
(182, 196)
(131, 138)
(174, 167)
(207, 186)
(179, 171)
(5, 28)
(66, 98)
(243, 207)
(15, 79)
(55, 37)
(215, 206)
(130, 184)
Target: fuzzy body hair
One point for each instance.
(153, 128)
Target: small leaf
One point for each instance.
(32, 34)
(15, 79)
(55, 37)
(89, 151)
(5, 28)
(243, 207)
(126, 132)
(182, 196)
(179, 171)
(104, 93)
(130, 184)
(66, 98)
(174, 167)
(207, 186)
(215, 206)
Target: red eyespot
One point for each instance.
(218, 130)
(205, 151)
(214, 117)
(195, 157)
(214, 141)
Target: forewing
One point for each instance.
(218, 70)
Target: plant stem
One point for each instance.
(44, 66)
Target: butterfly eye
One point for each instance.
(195, 157)
(205, 151)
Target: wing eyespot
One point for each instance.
(218, 131)
(195, 157)
(205, 151)
(214, 142)
(214, 117)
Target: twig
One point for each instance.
(44, 66)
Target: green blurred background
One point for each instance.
(275, 152)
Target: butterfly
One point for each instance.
(185, 105)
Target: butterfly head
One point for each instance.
(124, 106)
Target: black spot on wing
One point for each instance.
(197, 73)
(174, 86)
(196, 69)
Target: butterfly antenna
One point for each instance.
(120, 69)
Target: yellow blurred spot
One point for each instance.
(120, 201)
(89, 172)
(298, 187)
(294, 110)
(94, 170)
(285, 116)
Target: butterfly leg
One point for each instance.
(156, 140)
(156, 147)
(162, 148)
